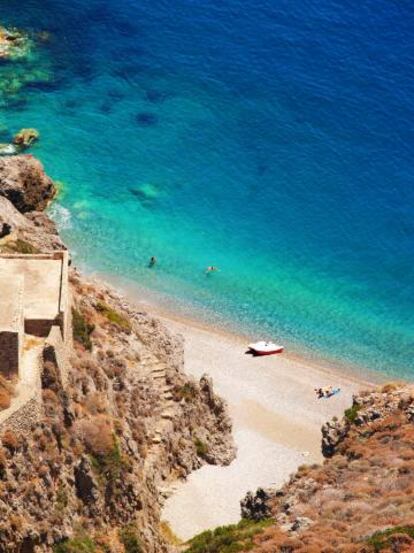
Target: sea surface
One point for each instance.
(270, 138)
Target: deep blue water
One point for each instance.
(270, 138)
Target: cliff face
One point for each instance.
(361, 499)
(24, 183)
(92, 474)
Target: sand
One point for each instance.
(276, 416)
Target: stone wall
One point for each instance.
(38, 327)
(65, 300)
(9, 353)
(26, 407)
(55, 351)
(23, 418)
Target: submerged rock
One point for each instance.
(157, 96)
(14, 44)
(146, 193)
(146, 119)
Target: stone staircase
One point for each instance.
(157, 371)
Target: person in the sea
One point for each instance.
(152, 262)
(211, 269)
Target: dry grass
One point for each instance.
(10, 440)
(6, 393)
(359, 501)
(97, 435)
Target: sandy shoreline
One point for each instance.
(276, 417)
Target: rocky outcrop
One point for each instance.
(11, 219)
(25, 137)
(255, 506)
(24, 183)
(360, 500)
(333, 433)
(33, 228)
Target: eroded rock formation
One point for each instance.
(24, 183)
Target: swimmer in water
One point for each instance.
(211, 269)
(152, 262)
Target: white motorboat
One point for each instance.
(265, 348)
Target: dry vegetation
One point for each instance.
(6, 392)
(361, 500)
(18, 246)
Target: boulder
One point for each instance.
(333, 433)
(25, 137)
(86, 486)
(256, 506)
(24, 183)
(10, 218)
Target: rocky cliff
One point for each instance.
(92, 474)
(361, 500)
(24, 182)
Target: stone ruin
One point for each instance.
(35, 326)
(33, 299)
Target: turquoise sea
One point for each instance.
(270, 138)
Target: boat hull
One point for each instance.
(262, 353)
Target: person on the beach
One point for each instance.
(319, 392)
(152, 262)
(211, 269)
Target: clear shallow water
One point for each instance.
(268, 138)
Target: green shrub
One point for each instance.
(352, 413)
(113, 316)
(19, 246)
(383, 539)
(228, 539)
(81, 544)
(81, 329)
(129, 539)
(201, 447)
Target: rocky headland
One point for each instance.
(92, 473)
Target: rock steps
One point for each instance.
(157, 371)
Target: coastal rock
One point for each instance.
(333, 432)
(10, 218)
(25, 137)
(35, 229)
(24, 182)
